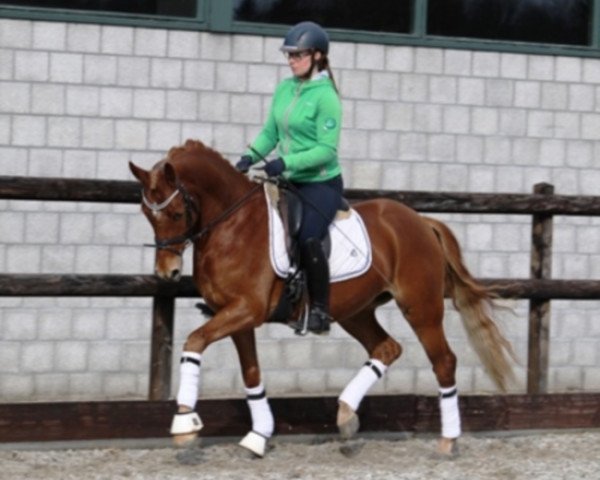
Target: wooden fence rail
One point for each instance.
(542, 205)
(120, 191)
(60, 421)
(121, 285)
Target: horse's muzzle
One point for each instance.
(168, 267)
(175, 276)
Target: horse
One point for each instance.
(194, 196)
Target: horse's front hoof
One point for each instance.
(255, 443)
(447, 447)
(347, 421)
(351, 448)
(185, 440)
(185, 428)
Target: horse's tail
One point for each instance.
(475, 303)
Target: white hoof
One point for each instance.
(185, 428)
(255, 442)
(185, 423)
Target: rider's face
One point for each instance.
(301, 62)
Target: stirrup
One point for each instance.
(318, 320)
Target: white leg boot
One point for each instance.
(450, 418)
(347, 420)
(186, 425)
(263, 423)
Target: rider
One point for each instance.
(304, 124)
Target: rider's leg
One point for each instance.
(321, 201)
(316, 269)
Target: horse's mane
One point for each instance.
(195, 156)
(196, 148)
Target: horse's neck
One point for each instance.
(217, 190)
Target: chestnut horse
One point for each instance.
(194, 196)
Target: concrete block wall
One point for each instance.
(82, 100)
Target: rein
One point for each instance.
(192, 234)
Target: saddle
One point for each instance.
(289, 205)
(346, 245)
(292, 307)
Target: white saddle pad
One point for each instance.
(350, 245)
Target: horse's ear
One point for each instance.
(170, 175)
(139, 173)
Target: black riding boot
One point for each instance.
(316, 268)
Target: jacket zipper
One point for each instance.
(286, 119)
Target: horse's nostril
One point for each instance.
(175, 274)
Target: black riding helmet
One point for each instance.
(306, 36)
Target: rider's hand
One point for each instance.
(274, 168)
(244, 163)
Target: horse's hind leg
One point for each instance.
(426, 317)
(383, 350)
(260, 411)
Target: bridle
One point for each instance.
(190, 209)
(192, 232)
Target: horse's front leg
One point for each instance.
(263, 423)
(235, 321)
(186, 422)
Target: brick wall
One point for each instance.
(82, 100)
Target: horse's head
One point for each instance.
(172, 213)
(184, 196)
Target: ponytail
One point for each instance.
(323, 64)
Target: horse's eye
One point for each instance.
(177, 216)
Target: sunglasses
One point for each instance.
(297, 55)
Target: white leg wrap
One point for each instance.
(262, 417)
(449, 412)
(358, 387)
(262, 421)
(189, 380)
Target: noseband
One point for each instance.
(157, 207)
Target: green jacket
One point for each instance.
(304, 124)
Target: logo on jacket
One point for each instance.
(330, 124)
